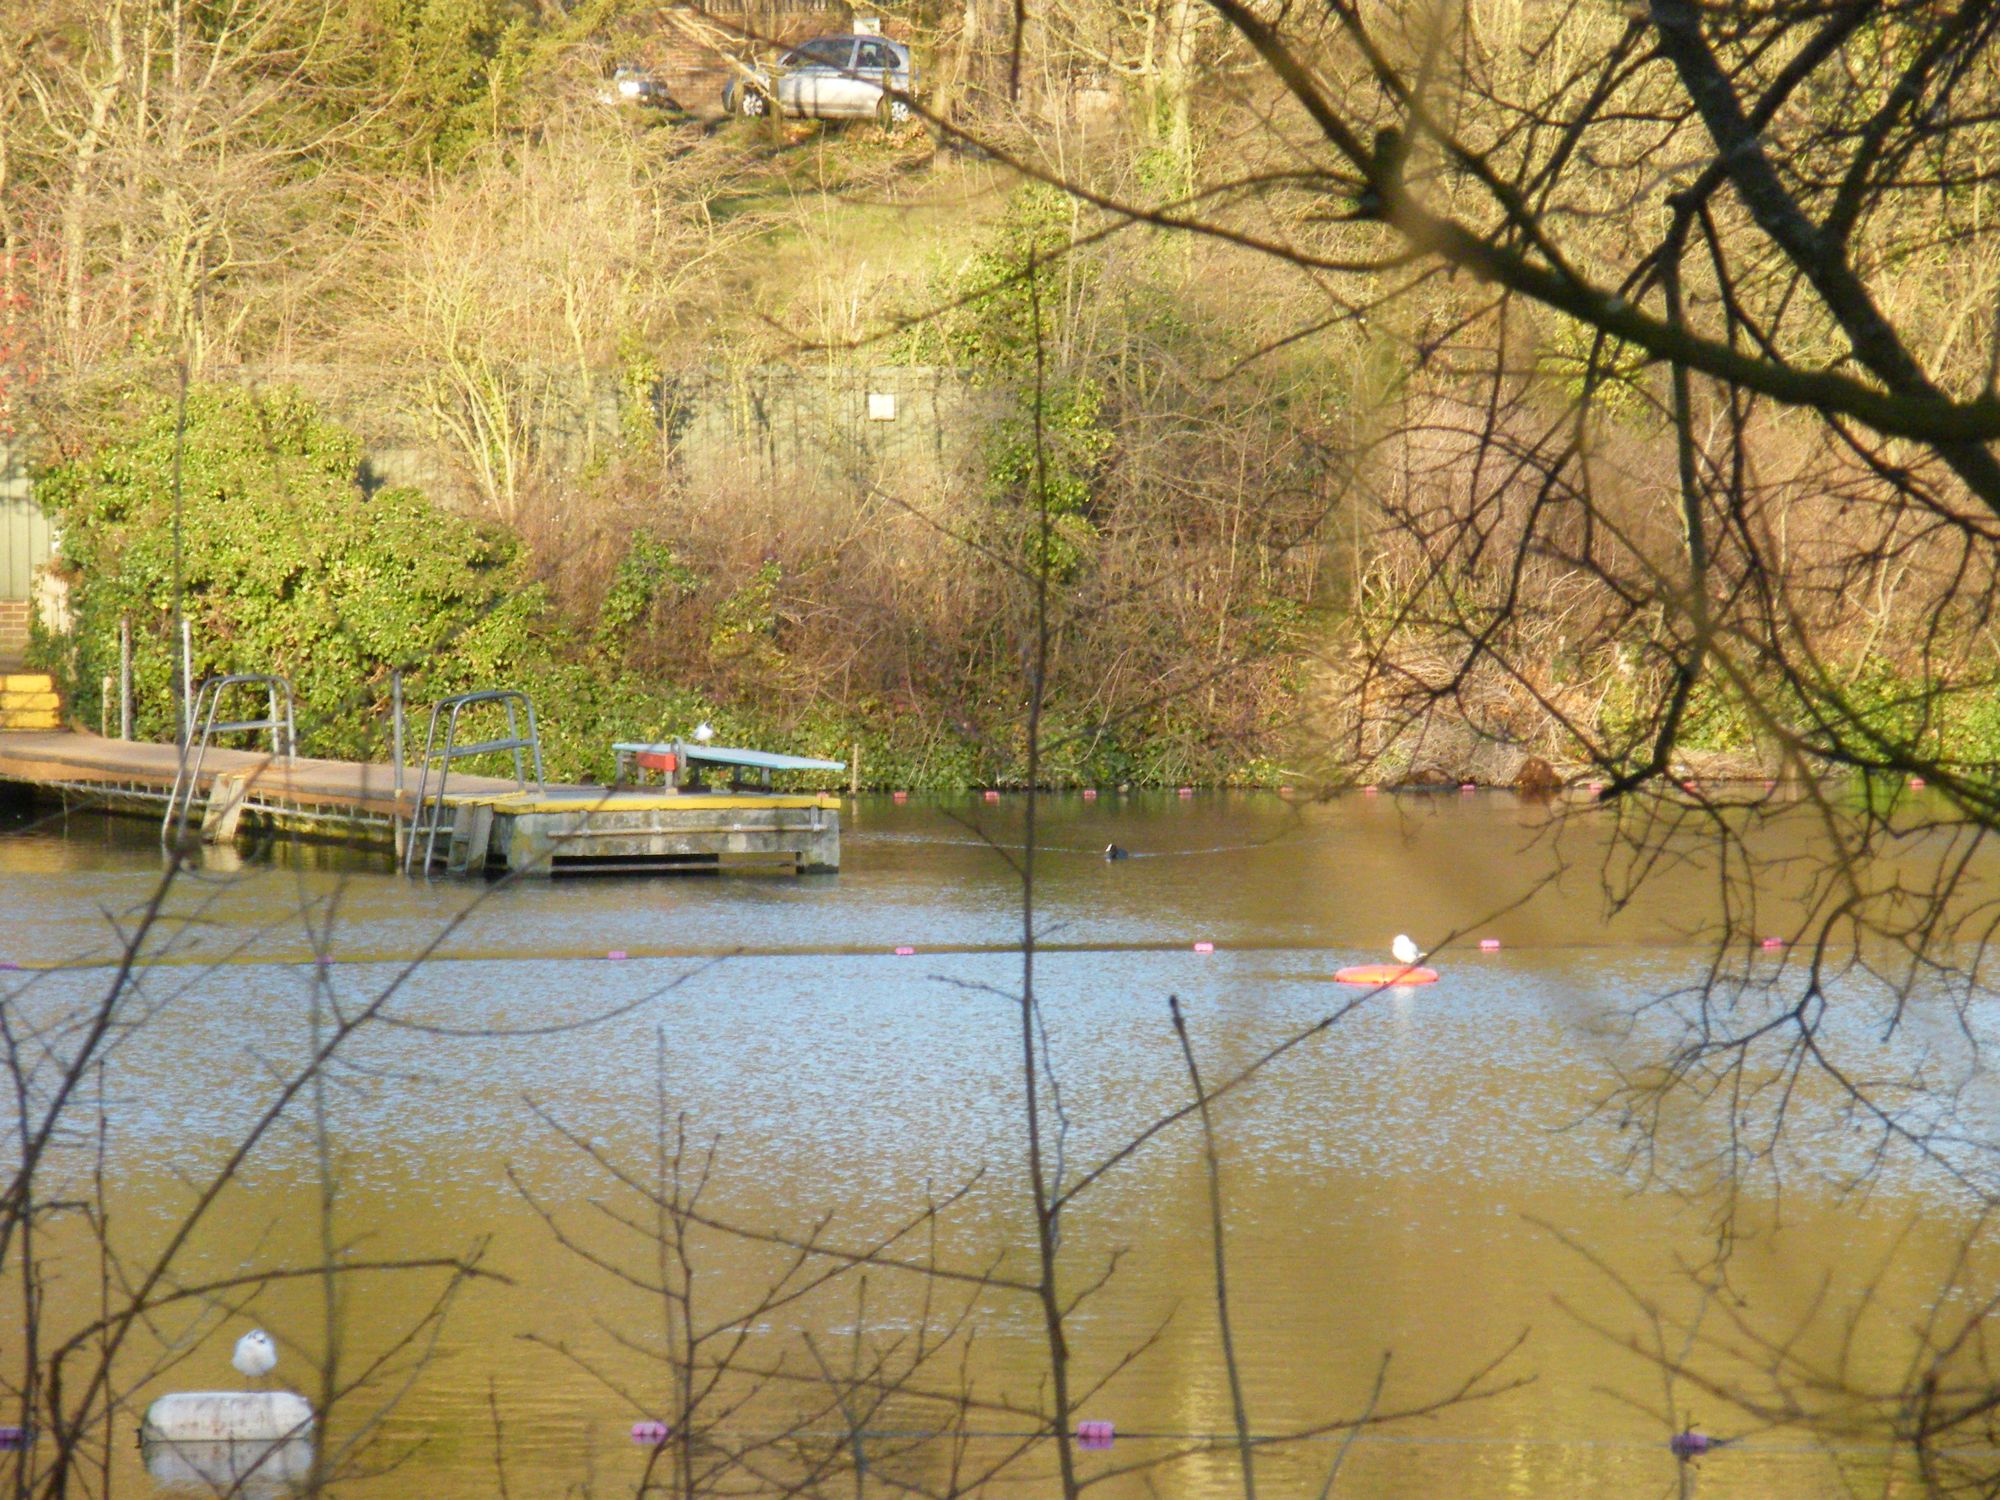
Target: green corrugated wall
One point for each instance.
(24, 530)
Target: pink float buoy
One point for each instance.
(1467, 786)
(1916, 783)
(1204, 947)
(1090, 794)
(1773, 943)
(1597, 786)
(992, 795)
(899, 796)
(616, 953)
(651, 1433)
(1094, 1435)
(905, 951)
(1489, 945)
(1370, 790)
(1187, 791)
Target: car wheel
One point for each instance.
(892, 113)
(753, 103)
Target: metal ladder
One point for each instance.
(187, 775)
(430, 813)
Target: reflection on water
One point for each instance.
(254, 1470)
(1427, 1180)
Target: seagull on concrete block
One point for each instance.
(256, 1356)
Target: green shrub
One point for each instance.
(286, 566)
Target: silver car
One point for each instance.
(832, 78)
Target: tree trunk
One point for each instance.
(76, 209)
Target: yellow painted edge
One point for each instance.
(530, 802)
(27, 682)
(24, 699)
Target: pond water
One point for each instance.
(1420, 1197)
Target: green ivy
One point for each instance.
(1051, 465)
(286, 567)
(650, 571)
(745, 624)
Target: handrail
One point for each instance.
(451, 707)
(187, 775)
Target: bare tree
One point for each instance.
(72, 1374)
(170, 164)
(503, 295)
(1689, 450)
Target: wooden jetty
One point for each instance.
(486, 824)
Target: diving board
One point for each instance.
(676, 759)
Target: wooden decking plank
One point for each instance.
(68, 756)
(531, 829)
(72, 756)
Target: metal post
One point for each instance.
(187, 680)
(854, 772)
(125, 678)
(104, 708)
(396, 736)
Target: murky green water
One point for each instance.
(1424, 1183)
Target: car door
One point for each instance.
(874, 61)
(841, 93)
(813, 76)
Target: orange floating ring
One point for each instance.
(1380, 974)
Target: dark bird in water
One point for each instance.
(1112, 851)
(1688, 1443)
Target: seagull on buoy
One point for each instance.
(255, 1354)
(1406, 952)
(703, 732)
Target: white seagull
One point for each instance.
(255, 1355)
(703, 732)
(1407, 952)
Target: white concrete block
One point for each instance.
(227, 1416)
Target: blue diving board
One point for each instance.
(674, 757)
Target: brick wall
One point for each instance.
(689, 60)
(13, 630)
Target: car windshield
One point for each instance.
(822, 52)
